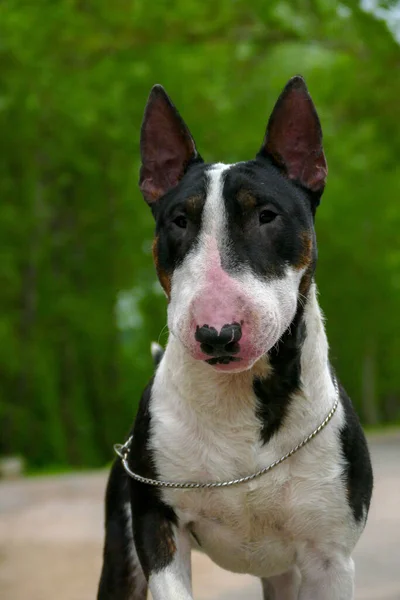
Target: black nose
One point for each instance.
(224, 343)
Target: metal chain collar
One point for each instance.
(123, 451)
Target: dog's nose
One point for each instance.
(224, 343)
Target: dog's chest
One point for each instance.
(240, 528)
(243, 528)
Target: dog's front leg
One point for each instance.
(173, 581)
(282, 587)
(163, 548)
(326, 577)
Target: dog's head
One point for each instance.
(235, 247)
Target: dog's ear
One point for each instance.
(166, 146)
(294, 137)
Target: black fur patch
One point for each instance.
(358, 472)
(119, 578)
(275, 391)
(153, 520)
(265, 248)
(174, 242)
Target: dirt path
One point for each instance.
(51, 538)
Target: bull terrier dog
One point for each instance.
(245, 445)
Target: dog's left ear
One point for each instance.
(294, 137)
(166, 146)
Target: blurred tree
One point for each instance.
(79, 302)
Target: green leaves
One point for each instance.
(76, 233)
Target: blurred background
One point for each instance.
(79, 299)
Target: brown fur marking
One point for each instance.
(306, 254)
(167, 539)
(246, 199)
(163, 276)
(305, 283)
(194, 205)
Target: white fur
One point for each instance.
(204, 427)
(333, 580)
(213, 220)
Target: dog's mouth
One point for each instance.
(222, 360)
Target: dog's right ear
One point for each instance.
(166, 146)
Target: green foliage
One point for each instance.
(79, 303)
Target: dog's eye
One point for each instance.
(266, 216)
(181, 221)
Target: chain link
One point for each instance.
(123, 451)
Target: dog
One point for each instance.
(244, 408)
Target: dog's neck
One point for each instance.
(316, 375)
(299, 361)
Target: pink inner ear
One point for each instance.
(150, 191)
(166, 147)
(294, 137)
(159, 180)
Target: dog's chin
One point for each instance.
(229, 364)
(237, 365)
